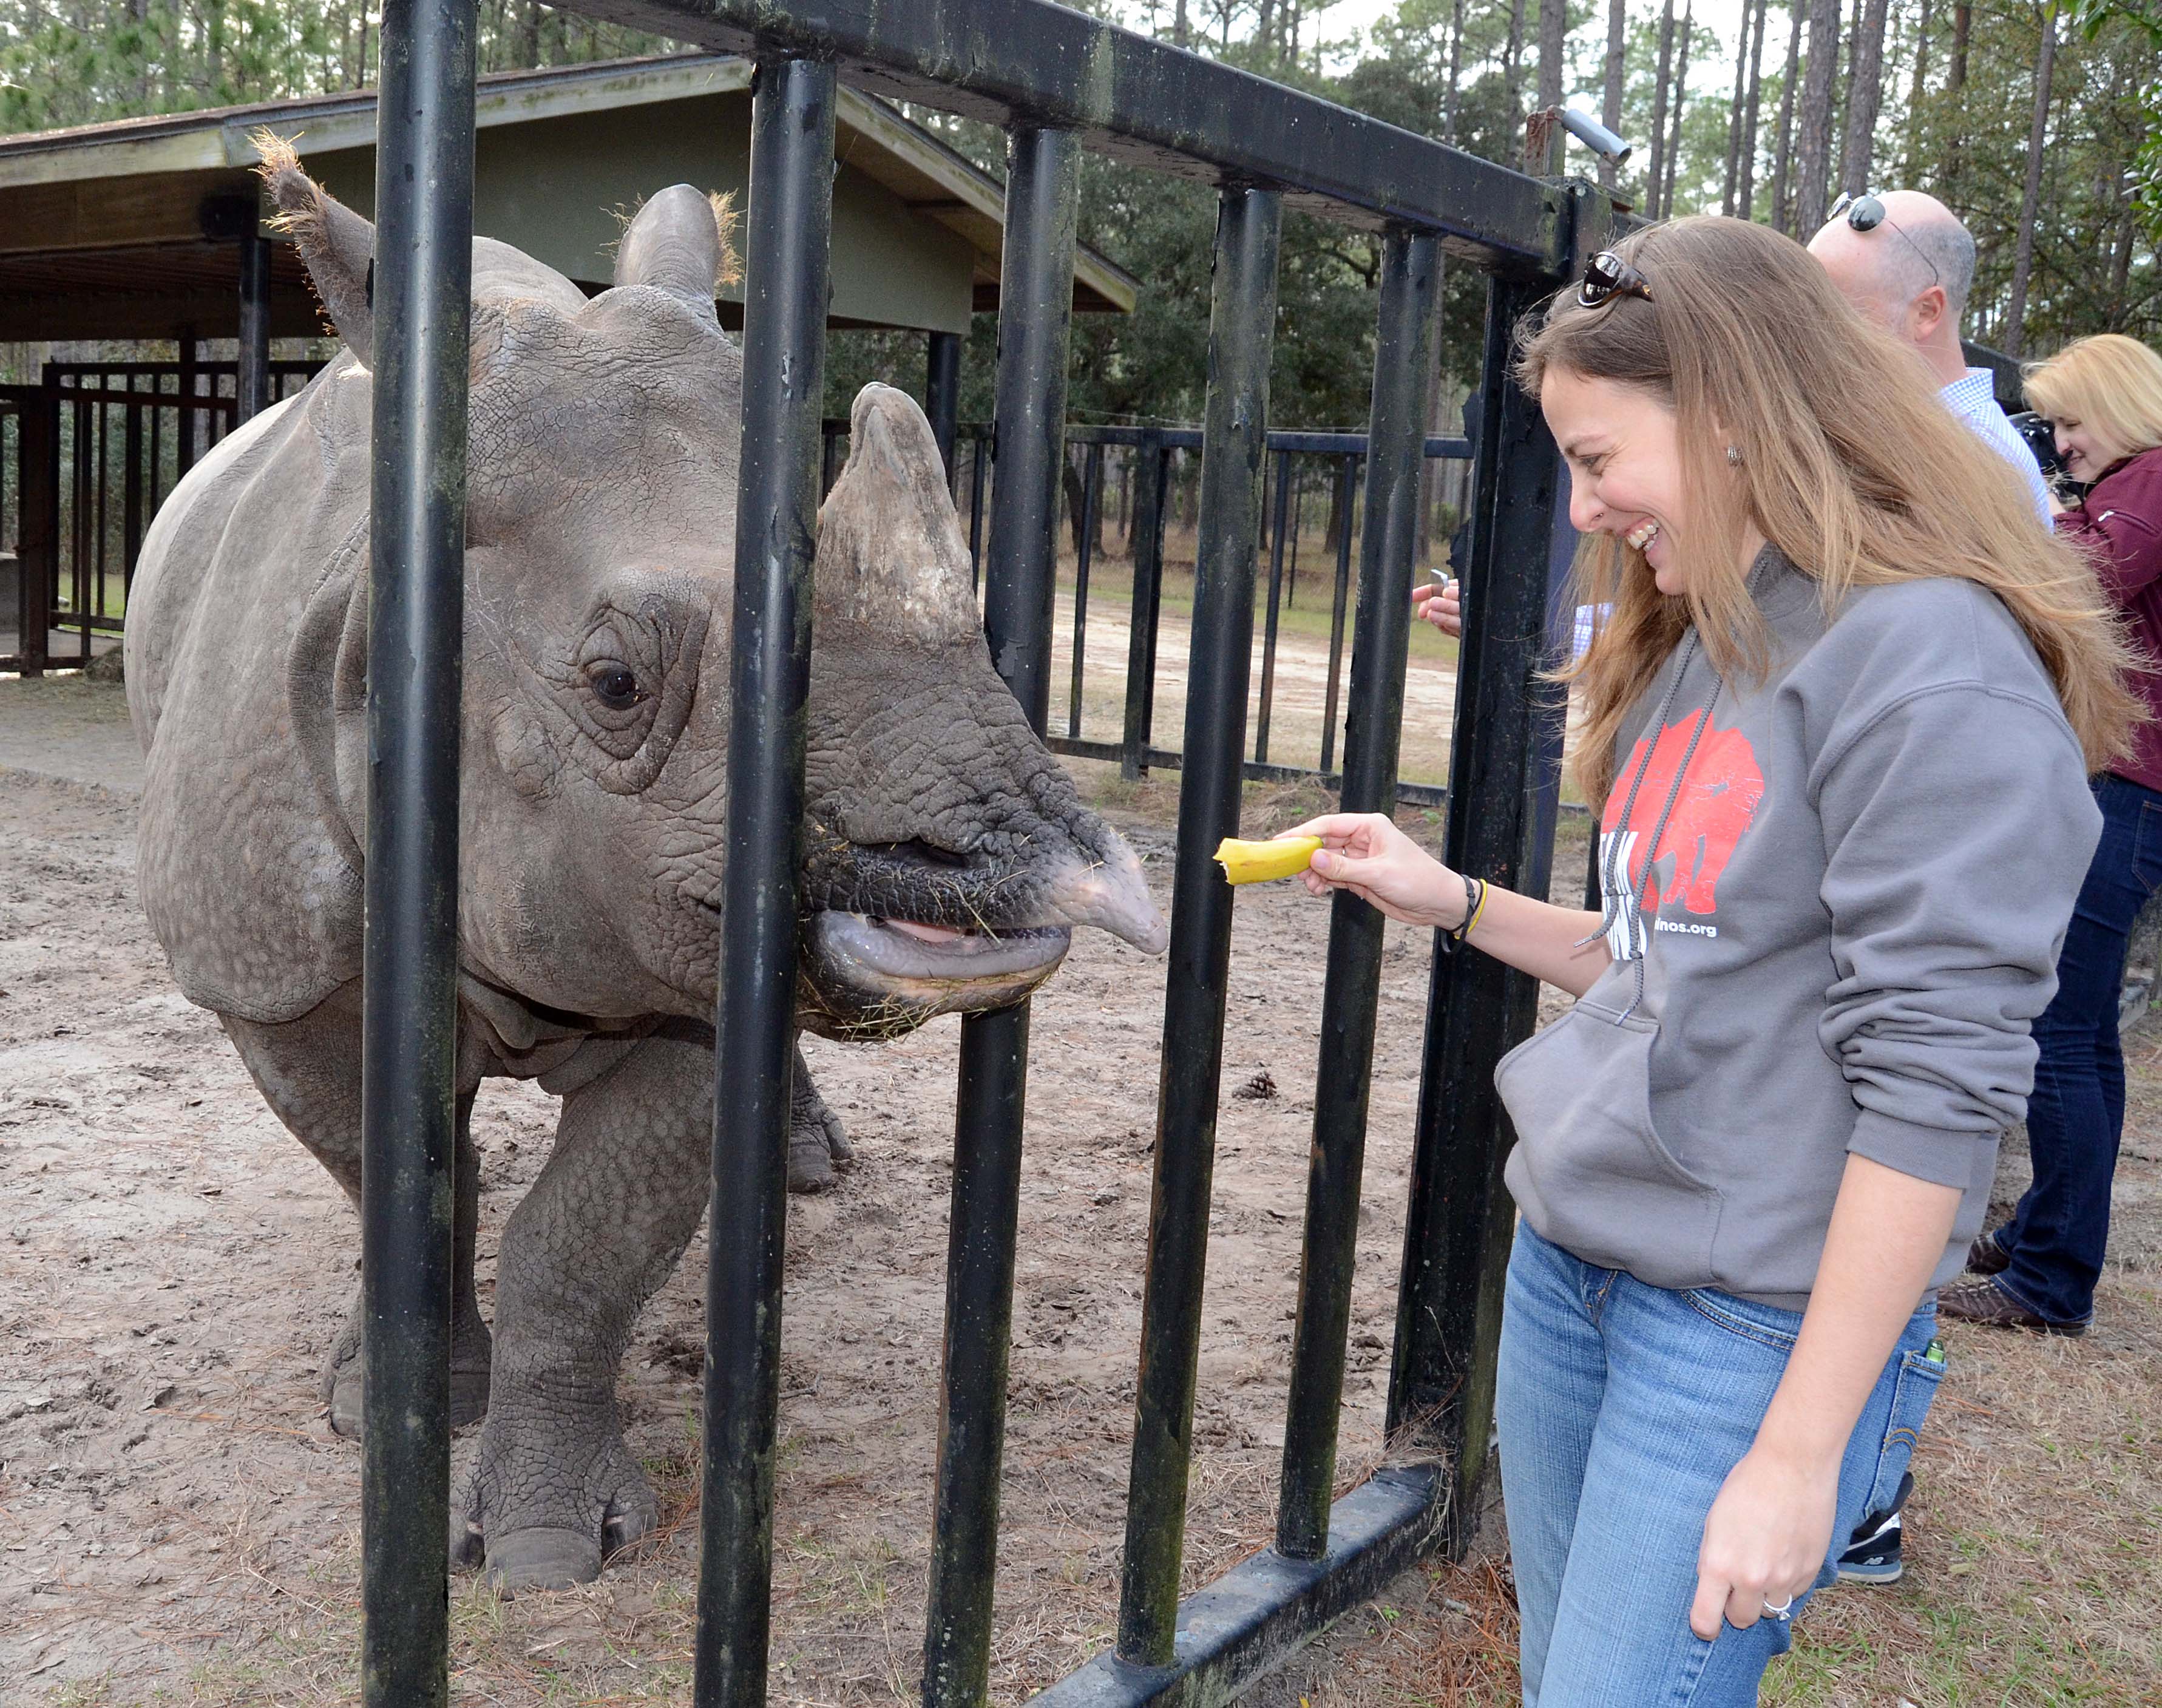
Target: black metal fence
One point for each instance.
(101, 446)
(1057, 82)
(1138, 482)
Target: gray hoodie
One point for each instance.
(1860, 887)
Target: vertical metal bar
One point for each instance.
(253, 382)
(409, 1027)
(1276, 594)
(942, 395)
(1146, 539)
(1460, 1221)
(131, 499)
(37, 536)
(1297, 522)
(1043, 195)
(1348, 485)
(1092, 479)
(784, 344)
(157, 414)
(1242, 327)
(979, 466)
(83, 497)
(100, 509)
(1396, 444)
(185, 448)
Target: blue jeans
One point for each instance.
(1621, 1407)
(2075, 1116)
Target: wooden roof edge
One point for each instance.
(910, 159)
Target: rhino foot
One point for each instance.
(472, 1352)
(542, 1508)
(818, 1147)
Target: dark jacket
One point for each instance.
(2119, 522)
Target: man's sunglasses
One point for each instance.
(1606, 276)
(1865, 213)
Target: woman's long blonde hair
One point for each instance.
(1849, 464)
(2108, 381)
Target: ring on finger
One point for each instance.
(1780, 1610)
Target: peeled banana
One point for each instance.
(1258, 862)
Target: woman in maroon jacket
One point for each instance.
(2104, 396)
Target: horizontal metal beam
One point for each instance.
(1266, 1607)
(1189, 439)
(1034, 61)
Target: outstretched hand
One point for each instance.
(1365, 854)
(1440, 603)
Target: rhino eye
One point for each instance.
(616, 685)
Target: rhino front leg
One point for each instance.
(551, 1487)
(308, 1071)
(818, 1145)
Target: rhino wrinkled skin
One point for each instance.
(946, 857)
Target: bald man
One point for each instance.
(1910, 271)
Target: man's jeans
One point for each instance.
(2077, 1115)
(1622, 1408)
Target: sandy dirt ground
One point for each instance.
(178, 1525)
(1299, 700)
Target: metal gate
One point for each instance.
(1057, 82)
(98, 446)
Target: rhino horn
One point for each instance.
(337, 245)
(679, 242)
(890, 547)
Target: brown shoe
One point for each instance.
(1984, 1256)
(1986, 1302)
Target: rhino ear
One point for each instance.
(890, 547)
(679, 242)
(336, 244)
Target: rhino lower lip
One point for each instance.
(901, 948)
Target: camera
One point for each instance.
(2041, 439)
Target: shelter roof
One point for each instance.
(128, 228)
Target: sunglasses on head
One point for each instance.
(1606, 276)
(1865, 212)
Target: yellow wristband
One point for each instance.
(1471, 924)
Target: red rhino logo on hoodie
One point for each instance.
(1717, 800)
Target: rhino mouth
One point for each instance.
(869, 976)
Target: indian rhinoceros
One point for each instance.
(945, 853)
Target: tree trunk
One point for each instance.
(1512, 61)
(1919, 91)
(1813, 149)
(1610, 107)
(1746, 196)
(1782, 158)
(1729, 182)
(2022, 254)
(1955, 84)
(1455, 71)
(1681, 99)
(2120, 265)
(1655, 174)
(1179, 31)
(1865, 90)
(1554, 31)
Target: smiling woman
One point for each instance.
(1765, 1133)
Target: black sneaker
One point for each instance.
(1872, 1553)
(1987, 1256)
